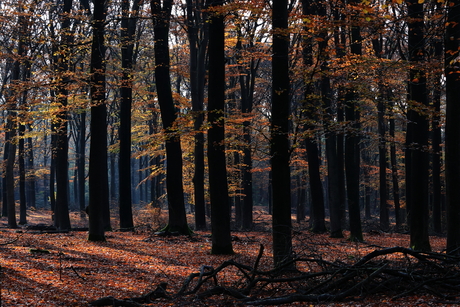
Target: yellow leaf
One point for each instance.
(421, 1)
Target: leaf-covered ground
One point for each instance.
(64, 269)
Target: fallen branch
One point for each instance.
(415, 273)
(12, 241)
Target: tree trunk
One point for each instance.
(61, 212)
(81, 161)
(197, 81)
(317, 213)
(6, 151)
(31, 178)
(437, 139)
(384, 211)
(452, 75)
(98, 170)
(394, 171)
(419, 170)
(279, 130)
(22, 177)
(352, 151)
(161, 15)
(128, 30)
(218, 186)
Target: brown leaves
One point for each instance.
(76, 272)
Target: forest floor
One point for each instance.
(39, 268)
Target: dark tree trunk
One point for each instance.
(12, 97)
(5, 162)
(22, 177)
(197, 81)
(394, 173)
(436, 161)
(452, 76)
(279, 129)
(247, 80)
(21, 149)
(11, 204)
(384, 210)
(352, 151)
(301, 198)
(218, 186)
(81, 161)
(419, 170)
(161, 15)
(31, 178)
(128, 30)
(437, 140)
(317, 213)
(98, 170)
(52, 181)
(61, 212)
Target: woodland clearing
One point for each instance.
(45, 268)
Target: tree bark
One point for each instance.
(161, 14)
(31, 178)
(128, 30)
(197, 81)
(352, 151)
(98, 169)
(61, 212)
(419, 169)
(218, 186)
(279, 133)
(452, 141)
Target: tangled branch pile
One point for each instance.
(395, 272)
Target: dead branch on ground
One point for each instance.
(396, 272)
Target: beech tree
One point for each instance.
(279, 136)
(161, 16)
(218, 185)
(127, 33)
(198, 36)
(418, 126)
(98, 170)
(452, 75)
(62, 219)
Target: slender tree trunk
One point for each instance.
(128, 29)
(452, 75)
(4, 167)
(384, 210)
(12, 97)
(98, 170)
(31, 178)
(436, 143)
(81, 161)
(161, 15)
(279, 129)
(247, 80)
(61, 216)
(352, 151)
(22, 177)
(218, 186)
(21, 149)
(197, 82)
(11, 204)
(394, 173)
(419, 170)
(301, 198)
(317, 213)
